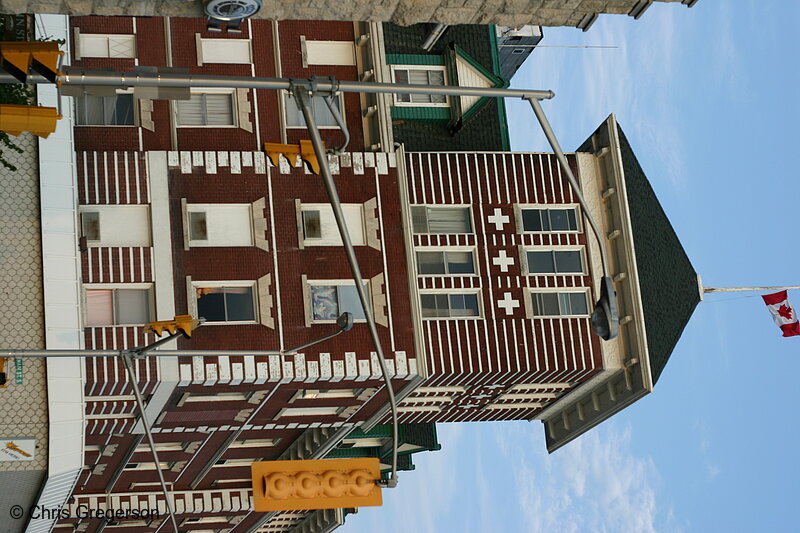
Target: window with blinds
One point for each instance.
(114, 307)
(420, 76)
(207, 109)
(429, 219)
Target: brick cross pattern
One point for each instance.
(508, 303)
(503, 260)
(498, 219)
(482, 396)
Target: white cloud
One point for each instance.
(595, 484)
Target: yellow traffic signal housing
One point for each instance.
(3, 380)
(319, 484)
(183, 323)
(290, 151)
(41, 121)
(18, 58)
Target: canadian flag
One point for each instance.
(782, 313)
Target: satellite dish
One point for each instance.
(231, 10)
(605, 317)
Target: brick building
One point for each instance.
(478, 265)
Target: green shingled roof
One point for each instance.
(667, 281)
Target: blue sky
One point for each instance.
(708, 99)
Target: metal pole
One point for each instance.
(330, 187)
(73, 76)
(576, 188)
(743, 289)
(115, 353)
(126, 358)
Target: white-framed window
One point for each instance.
(219, 224)
(208, 107)
(321, 111)
(226, 302)
(328, 52)
(441, 219)
(324, 394)
(561, 260)
(449, 262)
(118, 304)
(106, 45)
(544, 219)
(148, 466)
(116, 225)
(318, 226)
(450, 304)
(220, 50)
(308, 411)
(331, 297)
(566, 303)
(117, 110)
(420, 75)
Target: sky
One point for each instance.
(708, 98)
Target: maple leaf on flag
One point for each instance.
(785, 312)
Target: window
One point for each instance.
(428, 219)
(116, 225)
(319, 227)
(445, 262)
(101, 45)
(219, 224)
(226, 303)
(555, 262)
(308, 411)
(450, 305)
(217, 50)
(322, 113)
(330, 301)
(90, 225)
(549, 219)
(420, 75)
(104, 110)
(321, 394)
(207, 109)
(116, 307)
(560, 304)
(328, 52)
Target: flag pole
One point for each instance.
(741, 289)
(705, 290)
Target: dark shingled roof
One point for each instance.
(483, 131)
(667, 281)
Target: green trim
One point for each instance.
(427, 114)
(414, 59)
(494, 78)
(501, 102)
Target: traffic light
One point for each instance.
(318, 484)
(3, 381)
(20, 58)
(41, 121)
(290, 151)
(183, 323)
